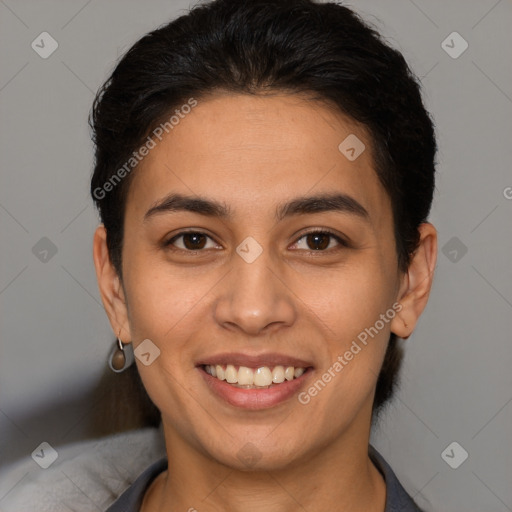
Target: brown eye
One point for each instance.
(191, 241)
(320, 241)
(194, 241)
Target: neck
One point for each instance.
(339, 477)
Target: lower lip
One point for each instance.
(255, 399)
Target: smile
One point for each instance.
(253, 378)
(254, 388)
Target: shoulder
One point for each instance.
(86, 475)
(397, 499)
(132, 498)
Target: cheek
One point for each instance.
(350, 298)
(354, 308)
(164, 308)
(160, 297)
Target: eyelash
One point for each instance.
(343, 243)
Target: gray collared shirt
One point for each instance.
(397, 499)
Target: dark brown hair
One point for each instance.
(323, 50)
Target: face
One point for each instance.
(259, 275)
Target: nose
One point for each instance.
(254, 297)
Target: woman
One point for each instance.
(264, 174)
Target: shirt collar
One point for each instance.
(397, 499)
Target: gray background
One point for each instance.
(55, 337)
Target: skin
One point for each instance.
(253, 153)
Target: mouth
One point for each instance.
(262, 377)
(254, 382)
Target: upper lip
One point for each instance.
(254, 361)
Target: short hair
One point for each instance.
(323, 50)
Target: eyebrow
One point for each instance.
(304, 205)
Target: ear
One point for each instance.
(110, 286)
(416, 283)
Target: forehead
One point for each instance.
(252, 152)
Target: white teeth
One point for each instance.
(278, 375)
(245, 376)
(220, 372)
(231, 374)
(289, 373)
(263, 376)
